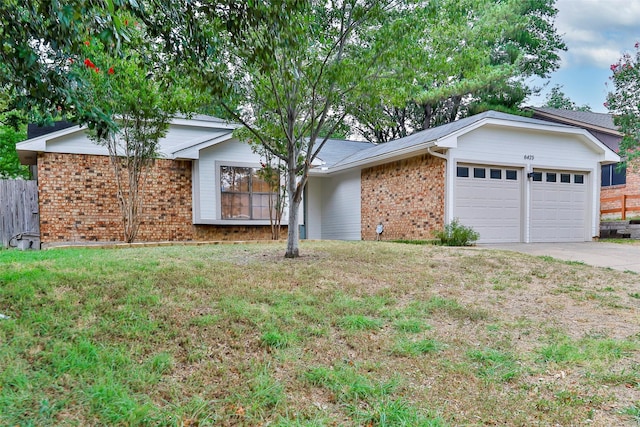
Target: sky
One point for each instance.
(597, 33)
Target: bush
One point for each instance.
(456, 234)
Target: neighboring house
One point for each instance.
(615, 182)
(512, 178)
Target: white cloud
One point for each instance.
(596, 32)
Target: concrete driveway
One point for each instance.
(600, 254)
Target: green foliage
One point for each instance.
(624, 102)
(39, 38)
(456, 234)
(458, 58)
(10, 166)
(557, 99)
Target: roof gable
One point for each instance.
(446, 136)
(184, 134)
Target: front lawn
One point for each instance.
(350, 334)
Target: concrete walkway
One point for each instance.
(600, 254)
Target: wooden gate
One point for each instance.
(19, 216)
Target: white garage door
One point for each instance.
(489, 199)
(559, 203)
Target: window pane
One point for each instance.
(235, 206)
(478, 172)
(260, 208)
(496, 173)
(565, 177)
(578, 179)
(618, 177)
(512, 175)
(258, 185)
(234, 179)
(551, 177)
(537, 176)
(606, 176)
(463, 172)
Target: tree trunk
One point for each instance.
(293, 234)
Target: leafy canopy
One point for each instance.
(624, 102)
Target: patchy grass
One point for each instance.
(351, 333)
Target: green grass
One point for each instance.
(351, 333)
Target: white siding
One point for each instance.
(341, 219)
(314, 208)
(494, 145)
(77, 142)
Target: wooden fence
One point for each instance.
(623, 208)
(18, 210)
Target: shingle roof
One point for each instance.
(602, 120)
(432, 135)
(335, 150)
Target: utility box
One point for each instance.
(26, 241)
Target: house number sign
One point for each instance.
(528, 157)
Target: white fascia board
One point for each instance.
(196, 122)
(391, 156)
(191, 149)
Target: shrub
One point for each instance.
(456, 234)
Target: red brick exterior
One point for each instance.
(630, 188)
(77, 198)
(407, 196)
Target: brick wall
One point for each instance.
(632, 187)
(77, 202)
(407, 196)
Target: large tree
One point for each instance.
(467, 56)
(38, 38)
(624, 102)
(293, 72)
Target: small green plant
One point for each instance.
(406, 347)
(456, 234)
(359, 323)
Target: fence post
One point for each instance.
(624, 207)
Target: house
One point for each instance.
(511, 178)
(615, 182)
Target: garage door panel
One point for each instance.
(558, 209)
(492, 207)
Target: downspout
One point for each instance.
(446, 180)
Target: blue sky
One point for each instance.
(597, 33)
